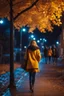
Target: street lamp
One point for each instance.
(23, 29)
(42, 47)
(40, 38)
(1, 21)
(44, 40)
(38, 41)
(32, 36)
(25, 47)
(57, 43)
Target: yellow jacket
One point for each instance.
(33, 57)
(49, 52)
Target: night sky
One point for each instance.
(51, 37)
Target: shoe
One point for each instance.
(31, 89)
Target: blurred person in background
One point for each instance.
(46, 54)
(55, 54)
(49, 54)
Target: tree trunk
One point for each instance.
(11, 46)
(62, 36)
(11, 39)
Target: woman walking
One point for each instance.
(33, 57)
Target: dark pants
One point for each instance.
(49, 59)
(46, 60)
(32, 79)
(54, 59)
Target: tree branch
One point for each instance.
(25, 10)
(17, 3)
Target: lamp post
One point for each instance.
(1, 21)
(20, 44)
(23, 29)
(1, 48)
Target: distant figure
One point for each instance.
(34, 57)
(54, 54)
(49, 54)
(46, 54)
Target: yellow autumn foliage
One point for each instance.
(43, 15)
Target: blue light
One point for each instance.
(1, 22)
(40, 38)
(38, 41)
(57, 42)
(32, 36)
(24, 29)
(43, 47)
(25, 47)
(20, 49)
(17, 49)
(44, 40)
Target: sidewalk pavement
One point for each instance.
(49, 82)
(6, 67)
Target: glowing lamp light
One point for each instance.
(43, 47)
(32, 36)
(38, 41)
(57, 42)
(20, 49)
(24, 29)
(44, 40)
(1, 21)
(25, 47)
(40, 38)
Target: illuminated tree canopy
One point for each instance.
(43, 14)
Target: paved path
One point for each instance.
(48, 82)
